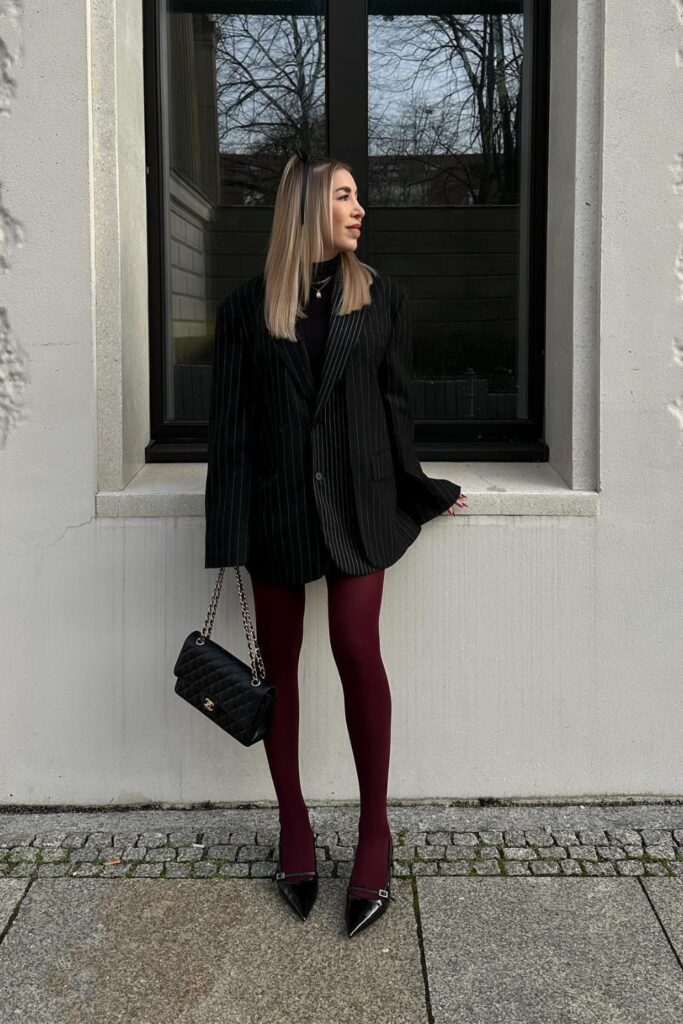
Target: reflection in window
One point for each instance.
(242, 91)
(444, 113)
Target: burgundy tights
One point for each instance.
(353, 614)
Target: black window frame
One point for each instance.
(347, 129)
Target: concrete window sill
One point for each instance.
(492, 488)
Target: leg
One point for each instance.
(279, 619)
(354, 604)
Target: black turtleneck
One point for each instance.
(312, 329)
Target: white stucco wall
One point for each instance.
(534, 645)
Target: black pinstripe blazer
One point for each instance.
(296, 473)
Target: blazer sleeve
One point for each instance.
(227, 499)
(421, 496)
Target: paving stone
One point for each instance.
(176, 870)
(534, 950)
(244, 838)
(100, 839)
(592, 837)
(661, 852)
(153, 840)
(655, 836)
(610, 852)
(24, 870)
(666, 895)
(438, 838)
(84, 855)
(454, 867)
(267, 837)
(262, 869)
(460, 853)
(603, 868)
(115, 870)
(134, 853)
(189, 853)
(544, 867)
(50, 839)
(630, 867)
(624, 836)
(54, 855)
(554, 852)
(539, 837)
(17, 838)
(251, 853)
(514, 838)
(185, 837)
(218, 837)
(516, 867)
(130, 950)
(233, 870)
(488, 853)
(147, 871)
(464, 839)
(655, 869)
(564, 837)
(570, 867)
(488, 836)
(411, 838)
(485, 867)
(425, 867)
(51, 870)
(634, 851)
(430, 852)
(518, 853)
(584, 853)
(327, 838)
(346, 853)
(204, 869)
(86, 870)
(125, 839)
(11, 892)
(228, 852)
(350, 838)
(160, 854)
(26, 854)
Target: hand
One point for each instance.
(459, 503)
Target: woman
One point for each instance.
(311, 473)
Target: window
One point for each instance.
(441, 110)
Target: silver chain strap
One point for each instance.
(258, 671)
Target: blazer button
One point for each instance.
(318, 475)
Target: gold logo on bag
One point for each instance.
(208, 704)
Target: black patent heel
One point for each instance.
(300, 895)
(363, 910)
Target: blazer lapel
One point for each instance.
(343, 335)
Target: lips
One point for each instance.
(354, 227)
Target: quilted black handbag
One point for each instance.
(234, 695)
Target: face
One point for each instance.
(346, 211)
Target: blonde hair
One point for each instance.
(293, 247)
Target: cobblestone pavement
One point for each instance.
(243, 844)
(87, 934)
